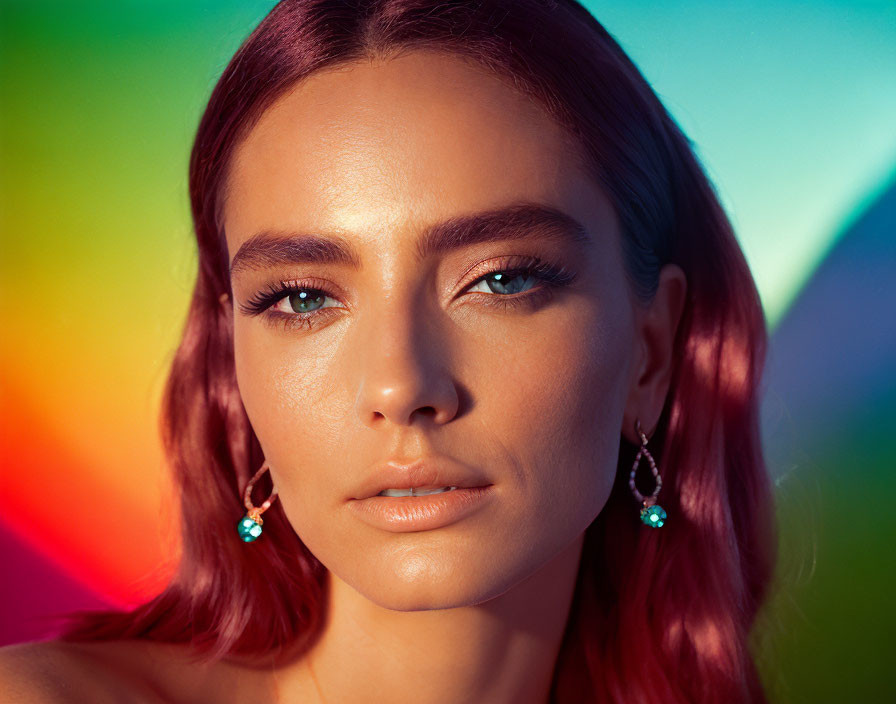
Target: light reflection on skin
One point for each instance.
(405, 360)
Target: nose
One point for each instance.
(403, 371)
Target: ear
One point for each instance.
(656, 325)
(225, 304)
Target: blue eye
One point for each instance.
(507, 282)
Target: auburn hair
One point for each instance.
(658, 615)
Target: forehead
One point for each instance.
(387, 146)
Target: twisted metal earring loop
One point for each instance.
(249, 527)
(652, 514)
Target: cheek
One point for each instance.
(255, 368)
(563, 396)
(280, 385)
(290, 396)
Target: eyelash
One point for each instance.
(551, 278)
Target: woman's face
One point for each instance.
(448, 353)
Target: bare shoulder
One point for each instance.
(144, 672)
(51, 671)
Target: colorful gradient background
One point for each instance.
(792, 108)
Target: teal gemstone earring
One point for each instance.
(652, 514)
(249, 527)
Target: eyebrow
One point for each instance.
(518, 221)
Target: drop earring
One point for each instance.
(652, 514)
(249, 527)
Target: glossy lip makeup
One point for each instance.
(402, 514)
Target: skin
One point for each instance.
(410, 360)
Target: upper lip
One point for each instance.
(424, 471)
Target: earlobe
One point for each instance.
(657, 329)
(225, 305)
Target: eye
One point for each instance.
(302, 301)
(505, 282)
(291, 302)
(522, 276)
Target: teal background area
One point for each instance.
(790, 105)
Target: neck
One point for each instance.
(502, 650)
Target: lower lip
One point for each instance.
(403, 514)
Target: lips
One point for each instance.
(423, 473)
(424, 513)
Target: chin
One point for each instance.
(419, 582)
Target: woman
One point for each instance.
(468, 301)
